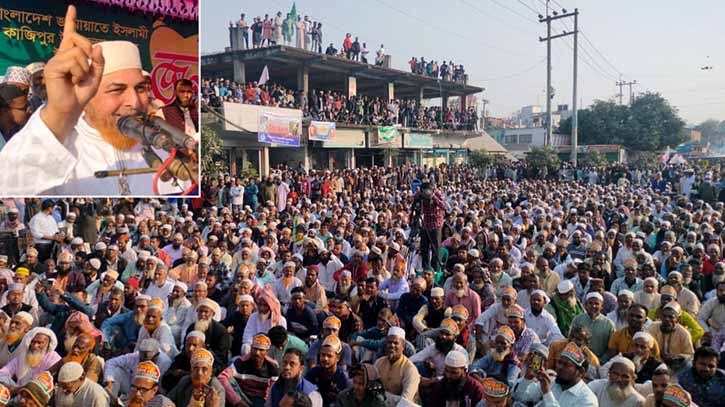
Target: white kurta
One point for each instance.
(34, 162)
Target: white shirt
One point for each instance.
(578, 395)
(34, 162)
(42, 225)
(163, 292)
(544, 325)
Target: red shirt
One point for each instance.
(347, 44)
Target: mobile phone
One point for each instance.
(536, 362)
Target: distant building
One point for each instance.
(520, 141)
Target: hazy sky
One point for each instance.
(660, 44)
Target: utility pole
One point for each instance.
(548, 19)
(622, 83)
(483, 114)
(574, 119)
(631, 95)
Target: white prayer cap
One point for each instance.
(142, 297)
(209, 303)
(594, 295)
(246, 298)
(396, 331)
(35, 67)
(646, 336)
(565, 286)
(69, 372)
(95, 263)
(181, 285)
(437, 292)
(26, 317)
(623, 361)
(542, 294)
(627, 293)
(4, 259)
(456, 358)
(196, 334)
(120, 55)
(76, 241)
(17, 74)
(149, 345)
(100, 246)
(16, 287)
(112, 273)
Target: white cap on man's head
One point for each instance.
(120, 55)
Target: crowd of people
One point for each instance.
(336, 107)
(447, 71)
(294, 30)
(368, 287)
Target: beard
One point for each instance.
(460, 293)
(34, 358)
(721, 299)
(138, 401)
(12, 337)
(499, 356)
(571, 301)
(264, 317)
(63, 273)
(617, 393)
(106, 126)
(716, 278)
(70, 358)
(64, 400)
(69, 341)
(139, 318)
(453, 389)
(202, 325)
(309, 283)
(288, 385)
(444, 346)
(151, 327)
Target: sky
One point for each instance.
(660, 44)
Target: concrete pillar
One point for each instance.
(240, 74)
(303, 79)
(264, 161)
(444, 100)
(351, 158)
(391, 91)
(306, 161)
(233, 161)
(233, 37)
(462, 100)
(419, 95)
(351, 85)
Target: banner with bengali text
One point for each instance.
(387, 135)
(282, 130)
(321, 131)
(31, 30)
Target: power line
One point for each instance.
(496, 2)
(600, 53)
(484, 13)
(529, 69)
(528, 7)
(446, 30)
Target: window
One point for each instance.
(525, 139)
(510, 139)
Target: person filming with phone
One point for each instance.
(429, 208)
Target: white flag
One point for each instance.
(265, 76)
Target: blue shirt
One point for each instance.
(123, 327)
(705, 393)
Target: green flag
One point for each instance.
(293, 12)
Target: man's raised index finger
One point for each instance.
(69, 27)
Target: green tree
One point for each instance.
(482, 159)
(650, 123)
(543, 157)
(711, 129)
(212, 161)
(593, 159)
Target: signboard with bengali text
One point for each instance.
(282, 130)
(321, 131)
(31, 30)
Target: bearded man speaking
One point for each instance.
(75, 134)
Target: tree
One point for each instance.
(543, 157)
(212, 163)
(711, 129)
(482, 159)
(649, 123)
(593, 159)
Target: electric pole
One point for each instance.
(548, 19)
(483, 114)
(621, 84)
(574, 120)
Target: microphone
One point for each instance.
(155, 132)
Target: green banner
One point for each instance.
(30, 31)
(387, 134)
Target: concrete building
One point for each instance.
(520, 141)
(352, 145)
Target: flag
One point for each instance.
(293, 12)
(264, 77)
